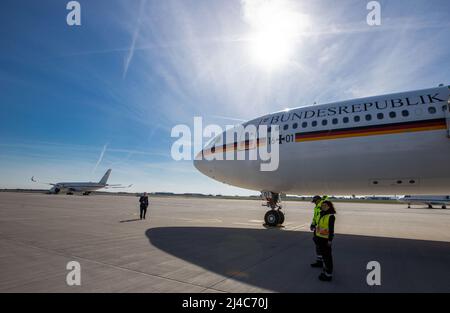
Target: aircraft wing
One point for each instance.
(36, 181)
(117, 186)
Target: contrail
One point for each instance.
(228, 118)
(100, 158)
(133, 42)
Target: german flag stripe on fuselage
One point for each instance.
(370, 130)
(243, 145)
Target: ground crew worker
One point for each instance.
(325, 234)
(317, 200)
(143, 205)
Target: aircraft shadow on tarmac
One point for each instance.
(279, 260)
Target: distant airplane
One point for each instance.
(443, 201)
(85, 187)
(389, 144)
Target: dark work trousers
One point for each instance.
(327, 256)
(318, 252)
(143, 211)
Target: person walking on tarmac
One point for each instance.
(325, 234)
(317, 200)
(143, 205)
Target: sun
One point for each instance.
(270, 49)
(276, 28)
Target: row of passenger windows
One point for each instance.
(356, 119)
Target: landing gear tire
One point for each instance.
(281, 216)
(430, 206)
(444, 207)
(272, 218)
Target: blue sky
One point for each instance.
(116, 85)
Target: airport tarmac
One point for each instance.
(213, 245)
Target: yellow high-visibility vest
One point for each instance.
(317, 211)
(323, 226)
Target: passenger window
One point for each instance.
(314, 123)
(285, 127)
(295, 126)
(368, 117)
(345, 119)
(392, 114)
(324, 122)
(305, 124)
(380, 116)
(335, 121)
(357, 118)
(405, 113)
(432, 110)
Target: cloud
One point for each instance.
(53, 147)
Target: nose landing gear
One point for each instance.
(274, 216)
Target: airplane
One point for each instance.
(443, 201)
(388, 144)
(85, 187)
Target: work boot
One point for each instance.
(325, 277)
(317, 264)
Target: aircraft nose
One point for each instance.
(203, 166)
